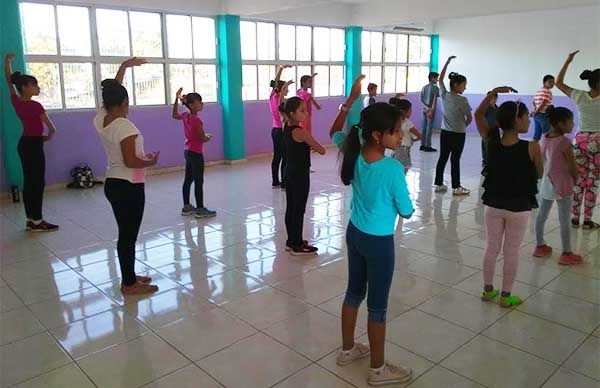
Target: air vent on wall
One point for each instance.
(408, 29)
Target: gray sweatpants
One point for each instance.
(564, 212)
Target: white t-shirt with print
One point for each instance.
(111, 136)
(407, 139)
(589, 111)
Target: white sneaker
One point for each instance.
(358, 352)
(389, 374)
(441, 188)
(461, 191)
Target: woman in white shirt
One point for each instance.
(124, 185)
(587, 143)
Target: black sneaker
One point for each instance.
(304, 250)
(42, 227)
(431, 149)
(422, 148)
(276, 185)
(288, 247)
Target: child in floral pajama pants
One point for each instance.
(587, 157)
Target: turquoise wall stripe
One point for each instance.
(353, 63)
(230, 86)
(435, 53)
(10, 127)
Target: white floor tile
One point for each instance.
(258, 361)
(566, 378)
(133, 363)
(189, 377)
(18, 324)
(543, 338)
(439, 377)
(30, 357)
(487, 362)
(586, 360)
(313, 377)
(66, 376)
(198, 336)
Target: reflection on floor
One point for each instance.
(236, 310)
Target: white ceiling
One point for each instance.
(369, 13)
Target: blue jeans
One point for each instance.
(427, 129)
(370, 265)
(542, 125)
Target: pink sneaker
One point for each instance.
(570, 259)
(542, 251)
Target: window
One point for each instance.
(397, 63)
(74, 31)
(265, 46)
(39, 34)
(113, 30)
(79, 85)
(146, 34)
(70, 49)
(179, 36)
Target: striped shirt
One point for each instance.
(543, 98)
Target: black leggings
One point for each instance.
(296, 193)
(452, 145)
(194, 172)
(33, 160)
(278, 156)
(127, 200)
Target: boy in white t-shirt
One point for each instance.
(411, 134)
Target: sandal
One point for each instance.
(589, 225)
(143, 279)
(139, 289)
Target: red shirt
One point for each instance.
(543, 98)
(30, 113)
(191, 123)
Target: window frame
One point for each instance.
(295, 63)
(97, 60)
(383, 64)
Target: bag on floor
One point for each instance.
(83, 177)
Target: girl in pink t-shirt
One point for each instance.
(195, 137)
(33, 116)
(279, 90)
(560, 172)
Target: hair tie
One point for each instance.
(361, 141)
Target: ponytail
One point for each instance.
(350, 150)
(592, 77)
(379, 117)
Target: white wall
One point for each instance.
(519, 49)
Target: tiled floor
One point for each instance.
(236, 310)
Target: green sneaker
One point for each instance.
(488, 296)
(510, 301)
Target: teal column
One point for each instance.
(353, 63)
(230, 86)
(435, 53)
(11, 41)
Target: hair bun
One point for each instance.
(15, 77)
(586, 75)
(109, 83)
(453, 75)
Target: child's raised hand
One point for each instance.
(572, 55)
(135, 61)
(9, 57)
(356, 89)
(178, 94)
(451, 58)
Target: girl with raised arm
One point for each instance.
(587, 142)
(379, 196)
(125, 177)
(33, 116)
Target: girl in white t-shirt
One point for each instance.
(587, 143)
(124, 184)
(411, 134)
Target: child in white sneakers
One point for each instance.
(560, 172)
(410, 133)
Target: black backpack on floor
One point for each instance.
(83, 177)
